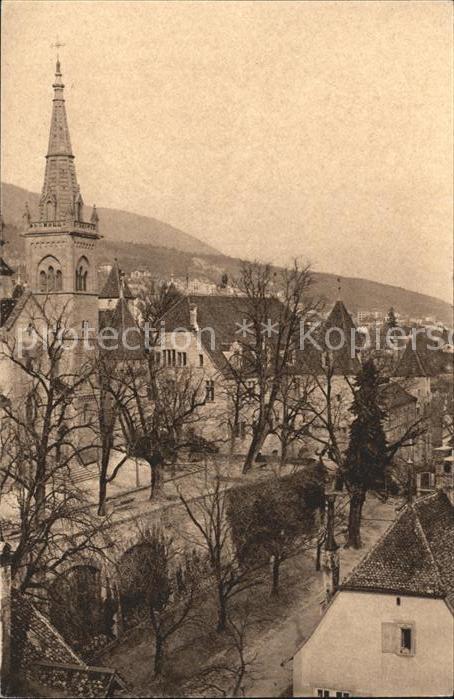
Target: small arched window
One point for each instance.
(51, 279)
(42, 281)
(82, 275)
(50, 210)
(58, 280)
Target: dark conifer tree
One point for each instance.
(391, 319)
(367, 454)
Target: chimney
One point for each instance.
(193, 317)
(5, 617)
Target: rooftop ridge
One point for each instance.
(411, 555)
(428, 547)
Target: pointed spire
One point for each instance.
(26, 216)
(94, 218)
(116, 285)
(60, 188)
(339, 289)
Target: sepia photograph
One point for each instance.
(226, 348)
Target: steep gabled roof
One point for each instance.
(6, 308)
(415, 555)
(222, 318)
(39, 651)
(422, 357)
(129, 342)
(112, 287)
(339, 324)
(5, 269)
(392, 395)
(15, 309)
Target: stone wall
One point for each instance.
(75, 681)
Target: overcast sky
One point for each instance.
(269, 130)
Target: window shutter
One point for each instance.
(388, 637)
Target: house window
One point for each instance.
(157, 357)
(200, 359)
(170, 357)
(331, 693)
(406, 640)
(181, 359)
(209, 391)
(398, 638)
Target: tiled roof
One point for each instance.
(129, 340)
(112, 287)
(17, 308)
(421, 357)
(41, 654)
(345, 358)
(6, 307)
(392, 395)
(339, 331)
(415, 556)
(224, 314)
(5, 269)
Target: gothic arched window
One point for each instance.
(82, 275)
(42, 281)
(50, 276)
(50, 210)
(51, 279)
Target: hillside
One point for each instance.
(171, 256)
(116, 224)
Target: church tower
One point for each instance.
(60, 245)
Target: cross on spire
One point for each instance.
(339, 289)
(58, 45)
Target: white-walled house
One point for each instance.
(389, 630)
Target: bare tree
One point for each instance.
(157, 413)
(274, 305)
(163, 580)
(45, 434)
(225, 677)
(154, 300)
(231, 576)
